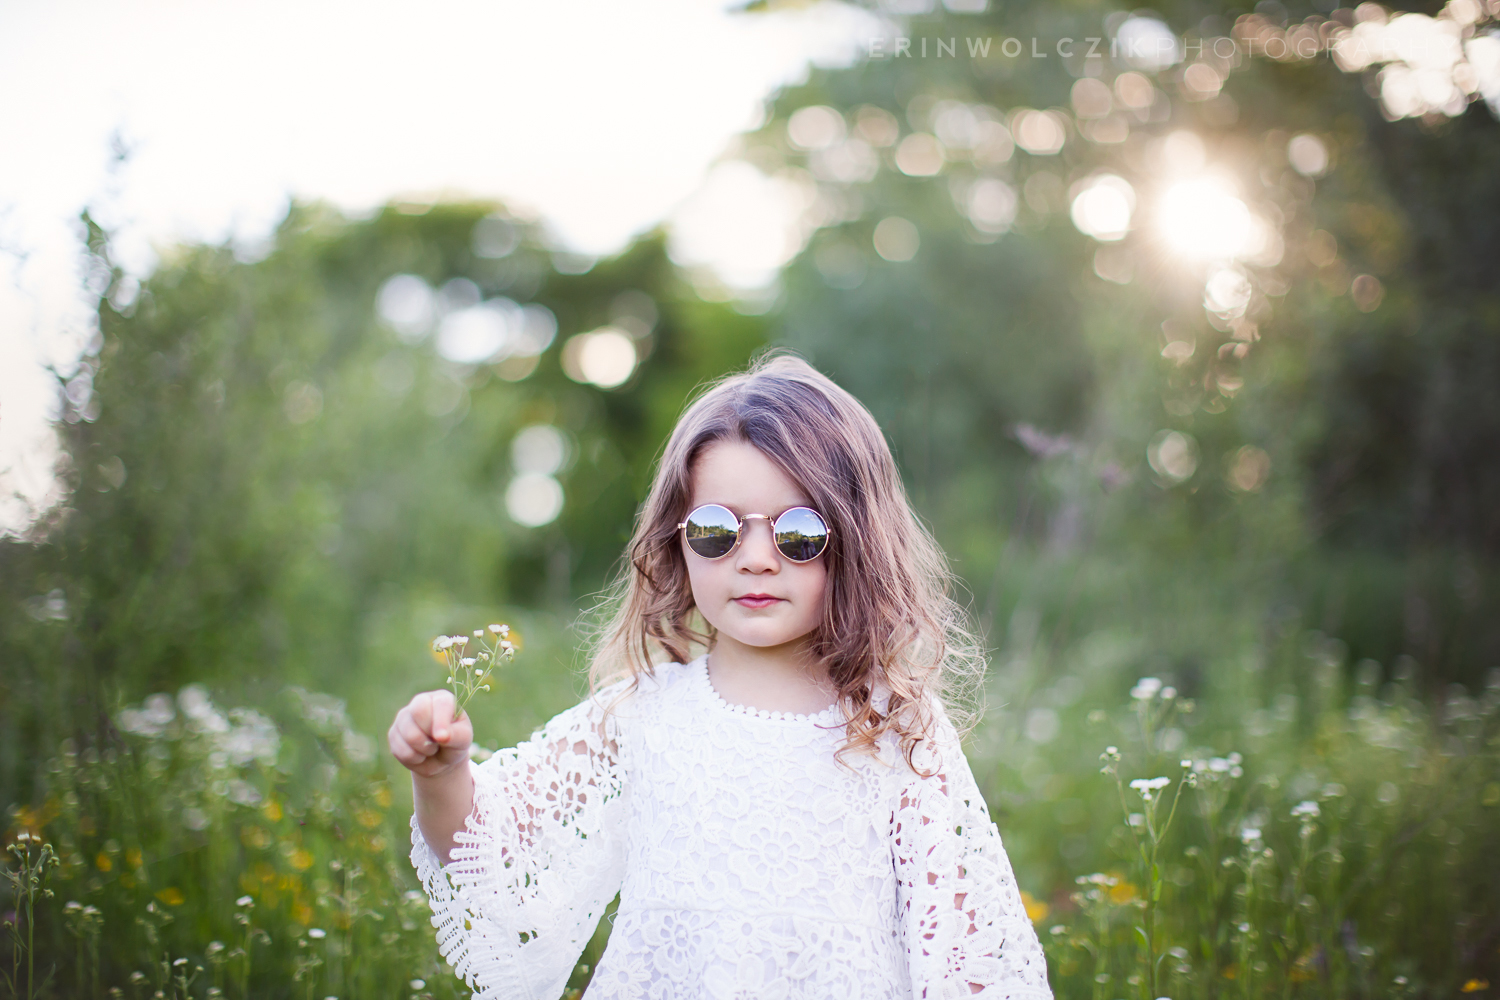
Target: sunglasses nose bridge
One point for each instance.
(744, 528)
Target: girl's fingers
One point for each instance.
(443, 706)
(402, 751)
(434, 712)
(462, 732)
(426, 711)
(419, 741)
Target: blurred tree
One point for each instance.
(293, 469)
(1334, 429)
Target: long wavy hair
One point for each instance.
(889, 618)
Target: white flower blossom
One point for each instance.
(1307, 807)
(1149, 786)
(1146, 688)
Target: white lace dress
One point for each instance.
(749, 864)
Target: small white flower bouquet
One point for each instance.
(470, 669)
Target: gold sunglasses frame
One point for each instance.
(739, 531)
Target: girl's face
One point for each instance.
(754, 595)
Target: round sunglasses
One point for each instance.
(713, 531)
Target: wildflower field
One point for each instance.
(1226, 524)
(1283, 834)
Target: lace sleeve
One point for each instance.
(963, 925)
(538, 860)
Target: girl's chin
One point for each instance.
(761, 638)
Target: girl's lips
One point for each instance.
(756, 600)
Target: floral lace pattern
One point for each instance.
(748, 862)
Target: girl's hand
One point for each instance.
(426, 738)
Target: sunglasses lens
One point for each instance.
(801, 534)
(711, 531)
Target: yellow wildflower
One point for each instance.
(1035, 908)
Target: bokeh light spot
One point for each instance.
(1249, 467)
(919, 155)
(876, 126)
(1135, 91)
(1147, 43)
(495, 236)
(991, 205)
(816, 127)
(1227, 292)
(540, 448)
(1040, 133)
(407, 305)
(1103, 208)
(533, 499)
(993, 144)
(475, 334)
(1307, 155)
(1367, 292)
(605, 357)
(1091, 98)
(1201, 81)
(1173, 455)
(896, 239)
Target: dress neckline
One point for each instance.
(831, 714)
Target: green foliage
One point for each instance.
(1305, 836)
(1376, 425)
(1312, 833)
(269, 855)
(273, 486)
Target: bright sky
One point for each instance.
(603, 116)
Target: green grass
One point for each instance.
(1317, 834)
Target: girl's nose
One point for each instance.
(757, 552)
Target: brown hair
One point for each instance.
(888, 619)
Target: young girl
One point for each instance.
(788, 815)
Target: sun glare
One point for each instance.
(1202, 218)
